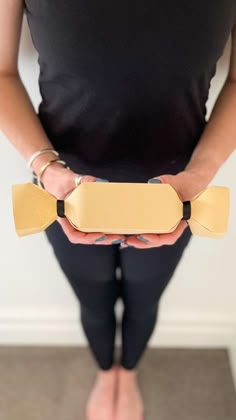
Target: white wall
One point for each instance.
(37, 304)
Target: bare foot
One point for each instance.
(129, 403)
(101, 401)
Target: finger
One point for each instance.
(110, 239)
(154, 180)
(141, 244)
(87, 178)
(150, 240)
(92, 178)
(102, 180)
(136, 241)
(138, 245)
(171, 238)
(98, 238)
(74, 235)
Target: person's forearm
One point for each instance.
(19, 121)
(218, 139)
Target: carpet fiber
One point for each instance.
(53, 383)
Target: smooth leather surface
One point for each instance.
(126, 208)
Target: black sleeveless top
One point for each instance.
(124, 84)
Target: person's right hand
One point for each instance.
(60, 182)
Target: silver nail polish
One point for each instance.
(101, 238)
(117, 241)
(141, 238)
(154, 181)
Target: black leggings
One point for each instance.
(91, 271)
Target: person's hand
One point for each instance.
(187, 184)
(60, 182)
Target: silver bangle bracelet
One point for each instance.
(38, 153)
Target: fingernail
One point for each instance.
(127, 245)
(117, 241)
(101, 238)
(143, 239)
(154, 181)
(123, 245)
(101, 180)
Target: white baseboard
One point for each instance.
(55, 326)
(58, 326)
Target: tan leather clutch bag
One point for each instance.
(125, 208)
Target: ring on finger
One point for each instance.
(78, 179)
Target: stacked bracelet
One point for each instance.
(39, 152)
(45, 166)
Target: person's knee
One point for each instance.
(143, 312)
(97, 313)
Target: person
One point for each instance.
(124, 88)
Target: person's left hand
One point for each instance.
(187, 184)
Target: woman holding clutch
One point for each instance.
(124, 87)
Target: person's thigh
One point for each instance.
(90, 269)
(146, 273)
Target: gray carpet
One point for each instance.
(52, 383)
